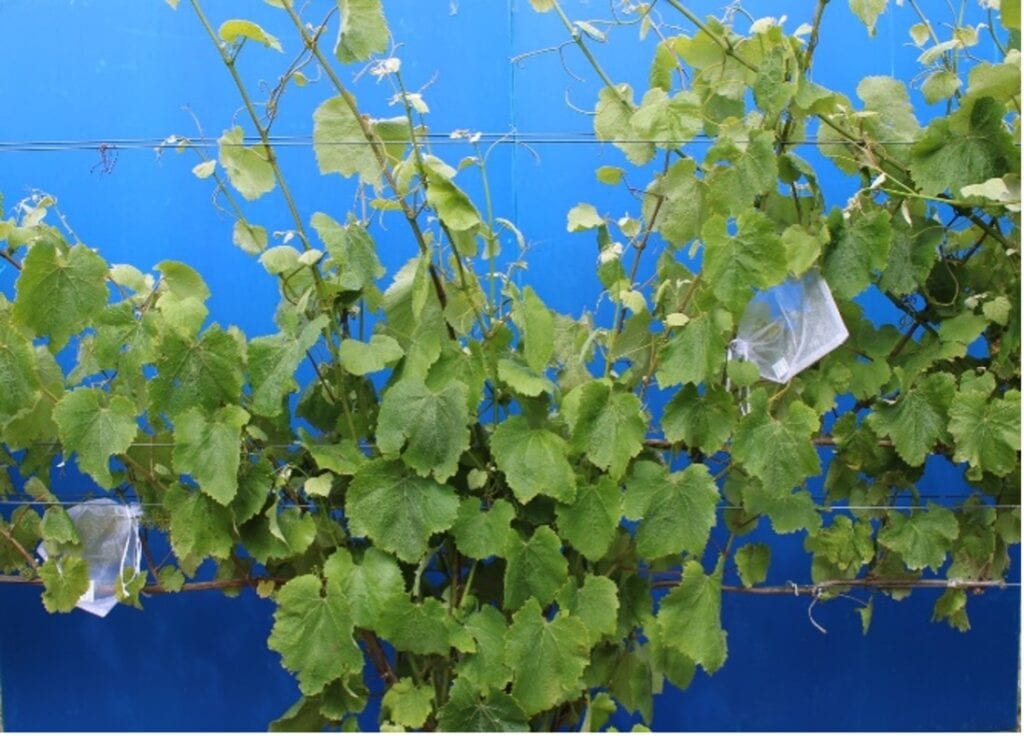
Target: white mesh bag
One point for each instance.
(109, 532)
(788, 327)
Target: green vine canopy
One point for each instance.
(433, 474)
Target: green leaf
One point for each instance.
(918, 418)
(841, 549)
(204, 372)
(453, 206)
(64, 582)
(736, 264)
(951, 607)
(533, 460)
(468, 711)
(547, 657)
(682, 197)
(231, 31)
(522, 380)
(689, 619)
(611, 175)
(921, 538)
(363, 32)
(986, 432)
(59, 292)
(95, 425)
(802, 249)
(408, 704)
(373, 586)
(752, 561)
(57, 528)
(750, 170)
(609, 427)
(613, 122)
(361, 358)
(250, 238)
(788, 512)
(248, 168)
(595, 603)
(695, 352)
(940, 85)
(859, 248)
(485, 668)
(397, 509)
(272, 363)
(480, 534)
(668, 122)
(208, 449)
(19, 383)
(589, 523)
(537, 325)
(536, 569)
(776, 81)
(777, 451)
(868, 11)
(426, 628)
(431, 424)
(676, 511)
(969, 147)
(313, 633)
(353, 252)
(583, 217)
(200, 527)
(339, 143)
(701, 421)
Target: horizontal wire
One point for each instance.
(456, 138)
(818, 507)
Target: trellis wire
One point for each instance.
(444, 138)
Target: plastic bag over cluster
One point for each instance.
(788, 327)
(109, 535)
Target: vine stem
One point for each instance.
(377, 148)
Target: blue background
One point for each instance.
(107, 70)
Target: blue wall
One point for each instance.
(119, 69)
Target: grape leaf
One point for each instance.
(200, 527)
(204, 372)
(248, 168)
(921, 538)
(336, 131)
(538, 329)
(361, 358)
(533, 460)
(432, 424)
(986, 432)
(363, 32)
(701, 421)
(676, 511)
(918, 418)
(859, 248)
(468, 711)
(547, 658)
(207, 447)
(59, 291)
(95, 425)
(407, 703)
(777, 451)
(609, 427)
(313, 633)
(480, 534)
(689, 618)
(536, 568)
(696, 351)
(752, 561)
(736, 264)
(272, 363)
(397, 509)
(65, 581)
(589, 522)
(485, 668)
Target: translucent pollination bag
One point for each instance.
(109, 533)
(788, 327)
